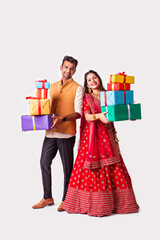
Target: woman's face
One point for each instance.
(93, 81)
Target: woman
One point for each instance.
(99, 184)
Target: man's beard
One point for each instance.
(67, 77)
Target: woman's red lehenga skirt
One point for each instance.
(101, 191)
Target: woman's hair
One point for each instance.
(97, 75)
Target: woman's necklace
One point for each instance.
(97, 95)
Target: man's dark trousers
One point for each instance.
(49, 150)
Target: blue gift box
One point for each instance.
(102, 97)
(116, 97)
(40, 85)
(129, 96)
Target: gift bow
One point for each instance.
(124, 74)
(31, 98)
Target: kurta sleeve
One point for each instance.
(78, 102)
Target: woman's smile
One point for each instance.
(94, 84)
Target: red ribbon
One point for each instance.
(39, 103)
(105, 98)
(110, 78)
(43, 82)
(31, 98)
(39, 106)
(40, 95)
(123, 73)
(124, 97)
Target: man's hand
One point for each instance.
(57, 120)
(70, 117)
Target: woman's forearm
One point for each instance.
(90, 117)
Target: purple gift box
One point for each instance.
(42, 122)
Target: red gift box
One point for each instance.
(118, 86)
(41, 93)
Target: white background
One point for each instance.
(108, 37)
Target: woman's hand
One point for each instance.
(102, 117)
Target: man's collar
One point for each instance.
(61, 84)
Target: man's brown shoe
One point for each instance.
(60, 208)
(43, 203)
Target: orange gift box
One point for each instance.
(38, 106)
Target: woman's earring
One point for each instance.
(89, 90)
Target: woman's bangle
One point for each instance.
(94, 117)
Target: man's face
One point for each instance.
(68, 69)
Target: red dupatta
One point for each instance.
(98, 155)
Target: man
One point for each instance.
(66, 98)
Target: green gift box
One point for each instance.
(122, 112)
(103, 109)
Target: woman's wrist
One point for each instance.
(94, 117)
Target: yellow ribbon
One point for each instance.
(34, 127)
(53, 118)
(33, 120)
(42, 93)
(112, 87)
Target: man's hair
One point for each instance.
(70, 59)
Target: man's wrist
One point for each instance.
(63, 119)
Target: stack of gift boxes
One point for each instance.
(118, 100)
(39, 109)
